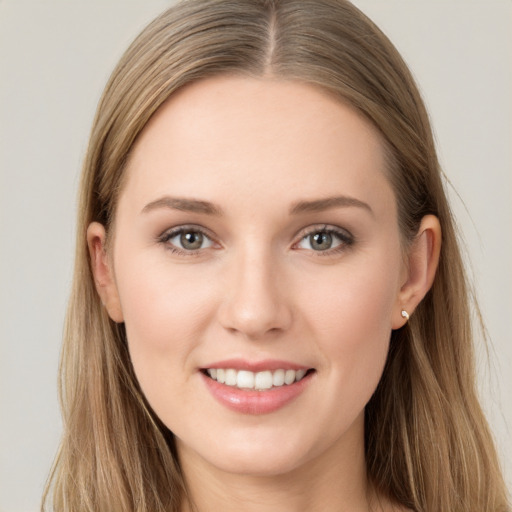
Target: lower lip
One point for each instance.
(248, 401)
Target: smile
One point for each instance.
(256, 388)
(259, 381)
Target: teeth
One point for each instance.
(278, 378)
(260, 381)
(299, 374)
(263, 380)
(230, 378)
(245, 380)
(289, 377)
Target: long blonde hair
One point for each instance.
(428, 446)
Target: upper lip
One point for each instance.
(256, 366)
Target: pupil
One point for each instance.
(321, 241)
(191, 240)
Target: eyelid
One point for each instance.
(346, 237)
(170, 233)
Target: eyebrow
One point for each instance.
(183, 204)
(205, 207)
(319, 205)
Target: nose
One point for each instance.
(256, 303)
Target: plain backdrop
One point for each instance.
(55, 57)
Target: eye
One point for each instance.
(325, 239)
(185, 239)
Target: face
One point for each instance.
(257, 266)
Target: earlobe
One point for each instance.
(422, 262)
(102, 270)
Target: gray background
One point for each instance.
(55, 57)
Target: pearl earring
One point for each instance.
(405, 314)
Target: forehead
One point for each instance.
(256, 136)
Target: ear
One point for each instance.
(103, 272)
(420, 269)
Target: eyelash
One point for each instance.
(165, 237)
(345, 238)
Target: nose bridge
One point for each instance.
(256, 302)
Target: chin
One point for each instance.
(249, 453)
(261, 464)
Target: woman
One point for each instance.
(269, 309)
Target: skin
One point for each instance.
(258, 289)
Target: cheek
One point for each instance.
(354, 328)
(357, 300)
(165, 316)
(353, 321)
(165, 313)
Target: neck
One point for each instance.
(334, 481)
